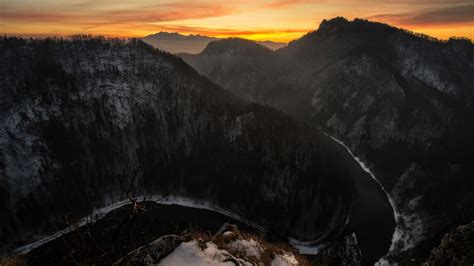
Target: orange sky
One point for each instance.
(277, 20)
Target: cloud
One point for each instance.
(89, 17)
(229, 32)
(239, 18)
(404, 2)
(286, 3)
(161, 14)
(442, 16)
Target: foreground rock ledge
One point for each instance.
(228, 246)
(456, 248)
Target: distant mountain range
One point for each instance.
(174, 42)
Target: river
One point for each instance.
(373, 216)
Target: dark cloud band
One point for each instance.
(462, 14)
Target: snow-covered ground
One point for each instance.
(190, 253)
(248, 247)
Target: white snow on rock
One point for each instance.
(284, 260)
(189, 253)
(193, 253)
(228, 234)
(250, 248)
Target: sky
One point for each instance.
(276, 20)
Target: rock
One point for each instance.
(344, 251)
(456, 248)
(200, 248)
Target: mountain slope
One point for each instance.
(88, 122)
(401, 102)
(234, 63)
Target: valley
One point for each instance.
(351, 143)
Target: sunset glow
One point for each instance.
(276, 20)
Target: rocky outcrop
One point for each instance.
(456, 248)
(343, 251)
(228, 246)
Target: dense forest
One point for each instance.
(88, 121)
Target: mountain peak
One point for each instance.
(235, 46)
(164, 35)
(175, 42)
(334, 22)
(343, 32)
(358, 25)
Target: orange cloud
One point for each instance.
(154, 14)
(285, 3)
(223, 31)
(280, 35)
(442, 16)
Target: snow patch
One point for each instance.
(192, 253)
(250, 248)
(189, 253)
(284, 260)
(228, 234)
(412, 217)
